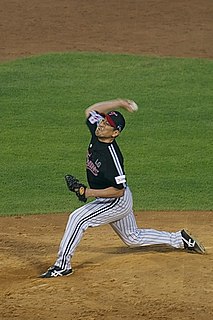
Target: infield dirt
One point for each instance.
(110, 280)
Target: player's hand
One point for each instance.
(129, 105)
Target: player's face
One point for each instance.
(105, 131)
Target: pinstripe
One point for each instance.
(129, 232)
(119, 214)
(79, 214)
(79, 225)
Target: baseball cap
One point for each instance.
(115, 119)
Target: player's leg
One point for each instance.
(98, 212)
(77, 224)
(129, 232)
(89, 215)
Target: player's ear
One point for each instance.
(115, 133)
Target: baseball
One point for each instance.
(133, 105)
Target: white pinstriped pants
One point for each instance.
(119, 214)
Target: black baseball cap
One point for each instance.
(115, 119)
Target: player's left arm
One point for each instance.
(82, 192)
(110, 192)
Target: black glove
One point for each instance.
(74, 185)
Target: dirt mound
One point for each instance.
(163, 27)
(110, 280)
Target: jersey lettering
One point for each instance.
(92, 168)
(97, 163)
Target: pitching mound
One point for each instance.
(110, 280)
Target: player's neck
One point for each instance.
(106, 140)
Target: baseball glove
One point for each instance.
(77, 187)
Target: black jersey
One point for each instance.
(104, 165)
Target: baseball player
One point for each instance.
(108, 185)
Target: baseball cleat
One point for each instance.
(191, 244)
(55, 271)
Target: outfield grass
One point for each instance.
(167, 145)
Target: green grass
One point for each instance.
(167, 145)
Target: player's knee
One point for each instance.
(129, 242)
(132, 240)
